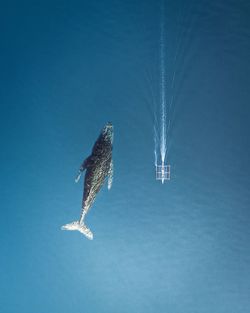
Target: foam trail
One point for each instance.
(156, 140)
(163, 146)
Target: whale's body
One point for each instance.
(98, 166)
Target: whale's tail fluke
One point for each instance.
(81, 227)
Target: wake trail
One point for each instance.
(163, 85)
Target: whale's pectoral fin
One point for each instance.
(110, 174)
(82, 168)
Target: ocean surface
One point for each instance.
(67, 68)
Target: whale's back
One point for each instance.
(97, 169)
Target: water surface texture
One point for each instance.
(67, 68)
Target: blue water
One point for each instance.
(68, 67)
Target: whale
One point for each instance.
(98, 166)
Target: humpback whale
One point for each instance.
(98, 166)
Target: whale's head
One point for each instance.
(108, 131)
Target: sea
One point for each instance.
(66, 69)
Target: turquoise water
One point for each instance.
(66, 69)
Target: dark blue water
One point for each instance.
(68, 67)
